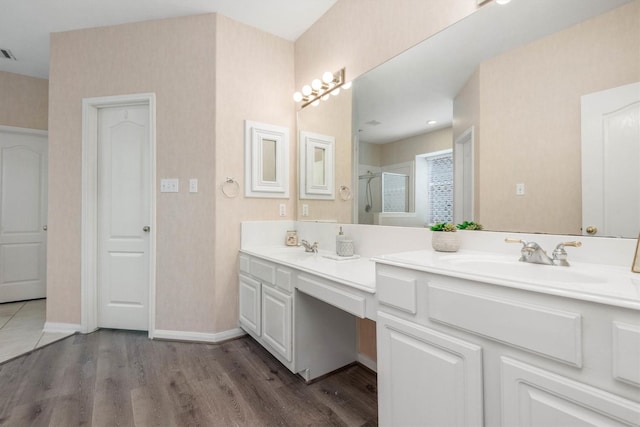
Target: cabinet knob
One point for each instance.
(146, 228)
(591, 229)
(44, 228)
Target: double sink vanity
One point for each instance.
(467, 338)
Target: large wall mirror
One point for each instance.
(506, 85)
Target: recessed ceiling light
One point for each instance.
(432, 122)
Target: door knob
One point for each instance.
(146, 228)
(591, 229)
(44, 228)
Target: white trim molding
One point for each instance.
(89, 274)
(198, 336)
(53, 327)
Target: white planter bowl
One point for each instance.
(445, 241)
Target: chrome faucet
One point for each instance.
(532, 252)
(308, 247)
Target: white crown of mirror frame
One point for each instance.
(548, 156)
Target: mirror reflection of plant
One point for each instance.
(443, 226)
(469, 225)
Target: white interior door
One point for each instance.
(463, 177)
(610, 159)
(23, 213)
(124, 215)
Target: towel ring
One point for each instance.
(345, 193)
(230, 187)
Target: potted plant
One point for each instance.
(444, 237)
(469, 225)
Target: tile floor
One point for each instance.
(21, 326)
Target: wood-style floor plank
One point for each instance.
(122, 378)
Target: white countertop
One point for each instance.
(605, 284)
(357, 273)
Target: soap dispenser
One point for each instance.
(339, 238)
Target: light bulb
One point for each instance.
(316, 84)
(306, 90)
(316, 103)
(347, 85)
(325, 97)
(335, 92)
(502, 1)
(297, 97)
(327, 77)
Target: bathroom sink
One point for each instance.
(508, 267)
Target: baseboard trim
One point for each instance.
(368, 362)
(162, 334)
(55, 327)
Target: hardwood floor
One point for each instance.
(121, 378)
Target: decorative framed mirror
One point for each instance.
(317, 160)
(266, 160)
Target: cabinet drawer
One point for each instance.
(398, 292)
(329, 293)
(244, 263)
(546, 331)
(284, 279)
(263, 270)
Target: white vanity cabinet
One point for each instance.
(459, 352)
(266, 306)
(306, 321)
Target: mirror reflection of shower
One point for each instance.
(367, 202)
(382, 192)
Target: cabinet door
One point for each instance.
(535, 397)
(426, 378)
(250, 304)
(276, 321)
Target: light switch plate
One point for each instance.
(305, 209)
(283, 209)
(193, 185)
(169, 185)
(520, 189)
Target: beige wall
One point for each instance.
(174, 58)
(530, 120)
(406, 150)
(333, 118)
(254, 81)
(209, 74)
(23, 101)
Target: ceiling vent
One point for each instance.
(6, 54)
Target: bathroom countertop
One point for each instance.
(605, 284)
(358, 273)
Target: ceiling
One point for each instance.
(25, 25)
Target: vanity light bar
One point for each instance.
(321, 89)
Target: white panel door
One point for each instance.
(124, 215)
(534, 397)
(276, 321)
(250, 304)
(610, 159)
(426, 378)
(23, 213)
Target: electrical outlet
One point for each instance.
(193, 185)
(305, 210)
(283, 209)
(520, 189)
(169, 185)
